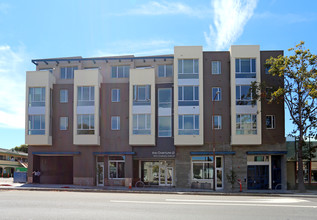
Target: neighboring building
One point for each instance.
(309, 163)
(115, 120)
(12, 161)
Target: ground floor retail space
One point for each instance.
(221, 171)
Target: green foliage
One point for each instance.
(22, 148)
(298, 74)
(232, 178)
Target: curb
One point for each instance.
(286, 194)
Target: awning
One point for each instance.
(266, 152)
(211, 153)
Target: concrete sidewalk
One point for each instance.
(7, 184)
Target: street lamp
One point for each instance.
(213, 138)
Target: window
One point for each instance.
(244, 95)
(215, 67)
(86, 96)
(188, 69)
(63, 96)
(36, 125)
(63, 123)
(141, 124)
(142, 95)
(47, 69)
(202, 168)
(86, 124)
(266, 69)
(116, 167)
(216, 94)
(165, 98)
(268, 93)
(188, 96)
(216, 122)
(68, 72)
(115, 123)
(270, 121)
(115, 95)
(245, 68)
(165, 70)
(246, 124)
(188, 124)
(36, 96)
(164, 126)
(120, 71)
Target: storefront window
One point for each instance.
(202, 168)
(116, 167)
(313, 172)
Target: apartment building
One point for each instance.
(180, 120)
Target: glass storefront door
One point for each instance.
(157, 173)
(100, 174)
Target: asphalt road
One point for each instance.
(82, 205)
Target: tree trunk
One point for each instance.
(300, 176)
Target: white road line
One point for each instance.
(274, 200)
(212, 204)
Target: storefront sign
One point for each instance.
(163, 154)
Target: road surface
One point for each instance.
(83, 205)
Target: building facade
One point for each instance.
(180, 120)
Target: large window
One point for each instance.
(141, 124)
(202, 168)
(36, 96)
(86, 124)
(188, 69)
(188, 124)
(246, 124)
(244, 95)
(164, 126)
(270, 121)
(216, 122)
(142, 95)
(86, 96)
(216, 67)
(63, 96)
(68, 72)
(120, 71)
(36, 125)
(115, 123)
(216, 94)
(116, 167)
(165, 70)
(245, 68)
(188, 95)
(63, 123)
(115, 95)
(165, 98)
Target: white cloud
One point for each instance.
(12, 86)
(140, 48)
(230, 17)
(168, 8)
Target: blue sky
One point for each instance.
(45, 29)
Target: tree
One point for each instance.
(22, 148)
(298, 73)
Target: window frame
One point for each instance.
(164, 70)
(183, 130)
(69, 72)
(116, 162)
(240, 101)
(115, 75)
(65, 96)
(169, 132)
(253, 131)
(147, 127)
(203, 162)
(115, 126)
(91, 126)
(219, 127)
(182, 66)
(168, 104)
(219, 95)
(91, 98)
(218, 66)
(240, 74)
(273, 121)
(181, 98)
(62, 120)
(117, 98)
(31, 124)
(31, 97)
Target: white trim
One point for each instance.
(188, 82)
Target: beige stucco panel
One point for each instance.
(39, 79)
(87, 78)
(142, 77)
(189, 52)
(244, 51)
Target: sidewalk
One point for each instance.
(7, 184)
